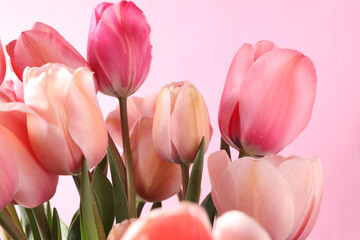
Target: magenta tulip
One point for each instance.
(267, 99)
(181, 120)
(68, 118)
(282, 194)
(119, 49)
(40, 45)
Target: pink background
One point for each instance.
(196, 41)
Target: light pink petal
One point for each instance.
(2, 64)
(235, 225)
(186, 221)
(85, 121)
(155, 178)
(119, 229)
(258, 189)
(189, 123)
(262, 47)
(149, 105)
(230, 96)
(305, 179)
(276, 100)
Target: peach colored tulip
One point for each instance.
(235, 225)
(282, 194)
(155, 178)
(181, 120)
(119, 49)
(30, 189)
(68, 120)
(40, 45)
(267, 99)
(119, 229)
(186, 221)
(2, 64)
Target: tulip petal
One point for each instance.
(2, 64)
(276, 100)
(235, 225)
(230, 96)
(187, 221)
(262, 47)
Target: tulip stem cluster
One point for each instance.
(185, 179)
(8, 223)
(131, 195)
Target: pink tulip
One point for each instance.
(2, 64)
(181, 120)
(267, 99)
(155, 178)
(235, 225)
(186, 221)
(40, 45)
(68, 118)
(119, 229)
(12, 91)
(282, 194)
(30, 188)
(119, 49)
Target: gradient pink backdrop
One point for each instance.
(196, 41)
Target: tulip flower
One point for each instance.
(31, 176)
(267, 99)
(282, 194)
(2, 64)
(119, 49)
(187, 221)
(68, 118)
(181, 120)
(40, 45)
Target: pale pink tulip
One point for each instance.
(282, 194)
(267, 99)
(30, 189)
(235, 225)
(40, 45)
(12, 90)
(186, 221)
(181, 120)
(119, 229)
(119, 49)
(2, 64)
(69, 123)
(155, 178)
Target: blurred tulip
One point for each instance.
(282, 194)
(30, 189)
(68, 118)
(119, 49)
(40, 45)
(267, 99)
(181, 120)
(155, 178)
(2, 64)
(235, 225)
(186, 221)
(12, 91)
(119, 229)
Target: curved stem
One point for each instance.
(128, 158)
(185, 179)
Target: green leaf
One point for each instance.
(208, 204)
(104, 192)
(120, 200)
(194, 187)
(48, 214)
(56, 230)
(8, 223)
(103, 165)
(88, 210)
(42, 222)
(29, 224)
(156, 205)
(64, 228)
(74, 229)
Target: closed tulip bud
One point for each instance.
(267, 99)
(181, 120)
(40, 45)
(119, 49)
(68, 118)
(282, 194)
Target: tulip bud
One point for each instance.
(282, 194)
(267, 99)
(40, 45)
(68, 118)
(181, 120)
(119, 49)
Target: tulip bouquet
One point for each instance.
(150, 149)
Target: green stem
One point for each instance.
(8, 224)
(128, 158)
(225, 146)
(242, 153)
(40, 217)
(185, 179)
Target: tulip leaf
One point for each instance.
(156, 205)
(42, 222)
(103, 165)
(64, 228)
(194, 187)
(48, 214)
(56, 230)
(8, 223)
(120, 200)
(74, 229)
(29, 223)
(104, 192)
(89, 213)
(208, 204)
